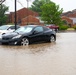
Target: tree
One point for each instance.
(51, 14)
(64, 22)
(3, 17)
(37, 4)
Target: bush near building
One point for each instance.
(63, 27)
(74, 27)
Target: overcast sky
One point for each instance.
(67, 5)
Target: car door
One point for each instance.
(37, 34)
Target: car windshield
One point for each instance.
(25, 29)
(4, 27)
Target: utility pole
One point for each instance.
(27, 11)
(15, 15)
(1, 1)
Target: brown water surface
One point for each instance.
(57, 58)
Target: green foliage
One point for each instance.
(63, 27)
(3, 17)
(37, 4)
(74, 27)
(64, 22)
(51, 14)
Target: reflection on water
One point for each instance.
(33, 48)
(57, 58)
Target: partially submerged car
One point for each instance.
(7, 28)
(29, 34)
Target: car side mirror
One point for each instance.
(35, 32)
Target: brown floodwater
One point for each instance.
(57, 58)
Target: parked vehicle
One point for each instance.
(29, 34)
(7, 28)
(53, 26)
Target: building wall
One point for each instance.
(68, 20)
(22, 13)
(70, 15)
(30, 20)
(74, 20)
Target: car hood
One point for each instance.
(12, 34)
(5, 31)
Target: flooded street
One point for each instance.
(57, 58)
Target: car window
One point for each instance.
(12, 27)
(4, 27)
(39, 29)
(25, 29)
(46, 28)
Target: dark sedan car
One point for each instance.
(29, 34)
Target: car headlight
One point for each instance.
(0, 36)
(18, 36)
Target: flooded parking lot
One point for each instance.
(57, 58)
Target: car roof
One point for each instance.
(33, 25)
(6, 25)
(9, 25)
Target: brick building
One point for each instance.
(68, 20)
(70, 17)
(30, 20)
(24, 15)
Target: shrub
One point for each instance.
(63, 27)
(74, 27)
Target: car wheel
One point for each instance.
(25, 41)
(52, 38)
